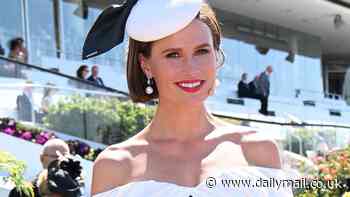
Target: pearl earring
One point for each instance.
(149, 89)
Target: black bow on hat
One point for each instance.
(108, 30)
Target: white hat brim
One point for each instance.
(151, 20)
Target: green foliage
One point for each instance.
(15, 169)
(102, 119)
(308, 137)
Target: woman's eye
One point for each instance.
(172, 55)
(202, 51)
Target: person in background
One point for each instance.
(49, 154)
(62, 178)
(243, 87)
(47, 98)
(25, 103)
(2, 50)
(94, 76)
(17, 50)
(263, 89)
(83, 72)
(252, 87)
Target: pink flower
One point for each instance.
(328, 177)
(27, 135)
(41, 138)
(9, 131)
(318, 159)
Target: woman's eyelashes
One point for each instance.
(177, 54)
(172, 55)
(202, 51)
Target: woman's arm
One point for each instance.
(262, 153)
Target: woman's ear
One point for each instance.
(145, 66)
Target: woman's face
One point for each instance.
(85, 72)
(184, 64)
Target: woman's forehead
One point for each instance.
(195, 34)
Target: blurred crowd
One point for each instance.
(18, 52)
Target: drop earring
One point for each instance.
(149, 89)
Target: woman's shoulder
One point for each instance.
(113, 167)
(119, 155)
(258, 149)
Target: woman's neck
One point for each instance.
(180, 123)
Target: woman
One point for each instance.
(47, 99)
(17, 50)
(61, 179)
(83, 72)
(183, 145)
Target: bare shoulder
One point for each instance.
(261, 152)
(112, 168)
(257, 150)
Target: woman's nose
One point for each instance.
(191, 63)
(190, 68)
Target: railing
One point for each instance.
(327, 95)
(31, 102)
(47, 106)
(34, 74)
(300, 137)
(84, 118)
(300, 93)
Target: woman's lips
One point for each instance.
(190, 86)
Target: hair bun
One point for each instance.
(63, 177)
(72, 166)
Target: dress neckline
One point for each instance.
(215, 175)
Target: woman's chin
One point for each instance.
(192, 100)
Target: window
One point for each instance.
(10, 21)
(41, 30)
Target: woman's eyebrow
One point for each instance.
(178, 49)
(203, 45)
(171, 49)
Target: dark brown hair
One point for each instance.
(137, 80)
(80, 71)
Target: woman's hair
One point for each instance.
(14, 43)
(61, 177)
(135, 75)
(80, 71)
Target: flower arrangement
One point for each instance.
(29, 133)
(84, 150)
(40, 136)
(332, 168)
(15, 170)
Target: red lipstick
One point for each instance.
(190, 86)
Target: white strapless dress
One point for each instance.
(254, 182)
